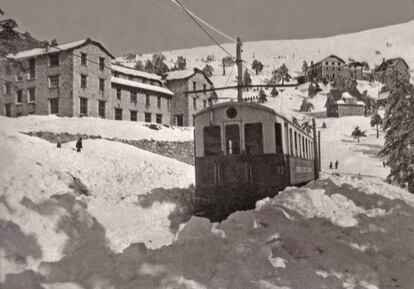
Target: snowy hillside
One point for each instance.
(370, 46)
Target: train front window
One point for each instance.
(253, 137)
(233, 139)
(279, 140)
(212, 140)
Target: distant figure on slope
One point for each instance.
(384, 164)
(330, 166)
(336, 165)
(79, 145)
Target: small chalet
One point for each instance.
(345, 106)
(390, 66)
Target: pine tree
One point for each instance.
(357, 133)
(281, 75)
(305, 68)
(257, 66)
(139, 66)
(208, 70)
(376, 120)
(399, 135)
(149, 67)
(158, 63)
(274, 92)
(262, 96)
(180, 63)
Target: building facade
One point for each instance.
(139, 96)
(329, 68)
(385, 71)
(190, 95)
(353, 70)
(70, 79)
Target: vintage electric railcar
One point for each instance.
(245, 151)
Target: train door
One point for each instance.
(232, 137)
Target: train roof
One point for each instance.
(247, 104)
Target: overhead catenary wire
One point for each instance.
(206, 23)
(202, 28)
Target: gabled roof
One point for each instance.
(184, 74)
(134, 72)
(390, 63)
(331, 56)
(355, 64)
(60, 47)
(143, 86)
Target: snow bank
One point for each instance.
(315, 203)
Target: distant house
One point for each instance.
(190, 94)
(139, 96)
(345, 106)
(68, 79)
(387, 68)
(329, 68)
(354, 70)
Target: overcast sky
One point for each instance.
(154, 25)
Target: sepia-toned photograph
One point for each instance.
(207, 144)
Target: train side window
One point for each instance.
(291, 141)
(307, 148)
(303, 147)
(253, 138)
(279, 140)
(232, 139)
(212, 140)
(296, 144)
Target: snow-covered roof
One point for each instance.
(340, 102)
(360, 103)
(346, 95)
(140, 85)
(60, 47)
(179, 74)
(134, 72)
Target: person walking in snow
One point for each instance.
(79, 145)
(336, 165)
(330, 166)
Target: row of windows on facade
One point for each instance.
(30, 94)
(300, 146)
(334, 63)
(134, 116)
(84, 82)
(133, 96)
(54, 60)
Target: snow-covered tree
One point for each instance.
(139, 66)
(311, 90)
(358, 133)
(262, 96)
(376, 120)
(257, 66)
(130, 56)
(247, 79)
(208, 70)
(306, 106)
(399, 134)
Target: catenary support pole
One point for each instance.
(239, 63)
(315, 150)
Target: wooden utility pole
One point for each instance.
(239, 63)
(315, 150)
